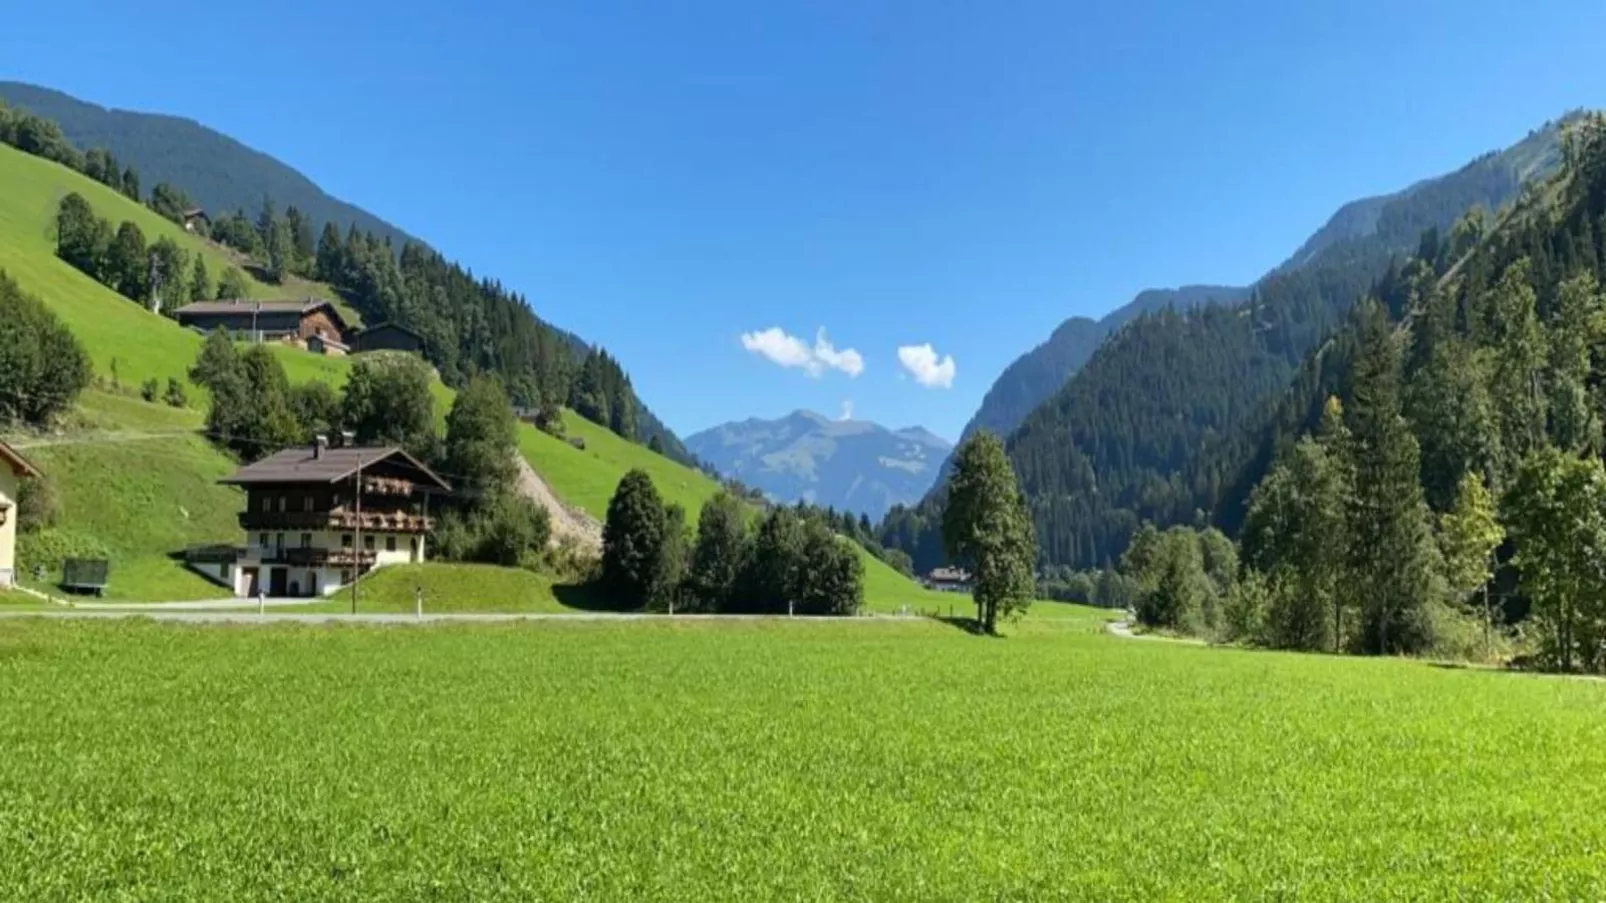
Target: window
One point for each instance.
(282, 502)
(390, 543)
(368, 543)
(262, 540)
(267, 503)
(345, 540)
(306, 503)
(306, 540)
(278, 541)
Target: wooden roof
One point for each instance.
(246, 306)
(19, 465)
(306, 464)
(397, 327)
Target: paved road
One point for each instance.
(250, 617)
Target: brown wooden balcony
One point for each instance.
(376, 521)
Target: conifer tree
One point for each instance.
(1394, 563)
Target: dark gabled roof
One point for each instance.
(194, 213)
(392, 326)
(19, 465)
(305, 464)
(244, 306)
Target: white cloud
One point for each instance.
(847, 409)
(775, 344)
(928, 370)
(847, 360)
(787, 350)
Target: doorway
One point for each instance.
(278, 582)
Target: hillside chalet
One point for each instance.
(388, 337)
(948, 580)
(13, 468)
(312, 323)
(317, 517)
(196, 220)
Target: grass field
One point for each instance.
(684, 761)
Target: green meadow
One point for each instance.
(860, 759)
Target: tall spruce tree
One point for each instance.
(1393, 559)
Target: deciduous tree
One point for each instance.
(986, 528)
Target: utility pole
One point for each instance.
(356, 548)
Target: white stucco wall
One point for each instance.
(328, 579)
(8, 531)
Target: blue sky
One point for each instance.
(665, 177)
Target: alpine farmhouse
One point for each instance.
(318, 517)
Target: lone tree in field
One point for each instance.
(987, 529)
(633, 539)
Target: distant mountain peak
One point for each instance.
(851, 465)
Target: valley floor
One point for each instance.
(694, 760)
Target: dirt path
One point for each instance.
(1123, 629)
(566, 521)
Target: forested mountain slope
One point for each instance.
(1125, 440)
(1038, 373)
(1158, 424)
(1446, 443)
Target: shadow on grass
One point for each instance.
(590, 597)
(965, 624)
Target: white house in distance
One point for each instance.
(13, 468)
(317, 517)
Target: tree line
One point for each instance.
(788, 562)
(160, 274)
(42, 137)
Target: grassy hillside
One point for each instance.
(110, 326)
(587, 477)
(144, 497)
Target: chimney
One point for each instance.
(348, 439)
(320, 444)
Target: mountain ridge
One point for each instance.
(847, 464)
